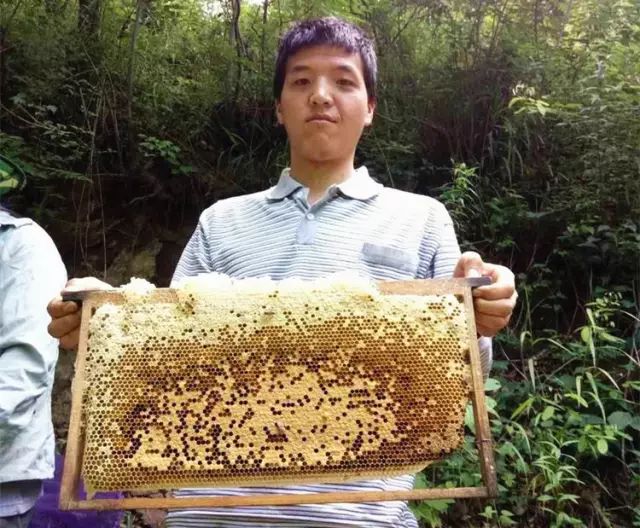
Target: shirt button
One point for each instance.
(310, 216)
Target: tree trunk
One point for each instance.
(4, 49)
(141, 5)
(236, 38)
(55, 7)
(565, 21)
(263, 37)
(89, 16)
(3, 68)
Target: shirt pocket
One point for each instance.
(394, 260)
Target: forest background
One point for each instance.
(129, 117)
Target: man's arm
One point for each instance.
(195, 258)
(31, 272)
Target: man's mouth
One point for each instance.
(320, 118)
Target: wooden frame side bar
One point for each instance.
(70, 483)
(480, 415)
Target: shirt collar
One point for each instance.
(7, 219)
(359, 186)
(285, 186)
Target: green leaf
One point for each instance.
(579, 399)
(509, 478)
(548, 413)
(610, 338)
(635, 385)
(579, 386)
(602, 446)
(620, 419)
(491, 405)
(568, 497)
(635, 424)
(583, 444)
(523, 407)
(505, 518)
(516, 100)
(542, 109)
(441, 505)
(492, 384)
(420, 481)
(469, 419)
(9, 183)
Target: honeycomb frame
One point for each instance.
(77, 442)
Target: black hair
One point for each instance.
(327, 31)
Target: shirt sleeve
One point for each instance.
(196, 257)
(444, 262)
(447, 253)
(31, 274)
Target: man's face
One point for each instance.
(324, 104)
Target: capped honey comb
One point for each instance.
(264, 382)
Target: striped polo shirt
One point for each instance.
(359, 226)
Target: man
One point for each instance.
(324, 216)
(31, 271)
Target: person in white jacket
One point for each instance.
(31, 272)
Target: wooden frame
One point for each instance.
(70, 486)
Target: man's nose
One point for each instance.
(320, 95)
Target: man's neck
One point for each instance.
(318, 177)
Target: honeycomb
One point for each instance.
(265, 383)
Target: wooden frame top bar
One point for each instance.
(472, 282)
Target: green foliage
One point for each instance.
(565, 434)
(460, 195)
(10, 176)
(152, 147)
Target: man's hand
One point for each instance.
(493, 304)
(65, 316)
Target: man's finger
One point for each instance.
(489, 325)
(70, 341)
(469, 264)
(62, 326)
(59, 308)
(495, 292)
(494, 308)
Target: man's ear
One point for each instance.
(371, 109)
(278, 112)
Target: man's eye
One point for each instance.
(301, 82)
(346, 82)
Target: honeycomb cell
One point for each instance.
(314, 383)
